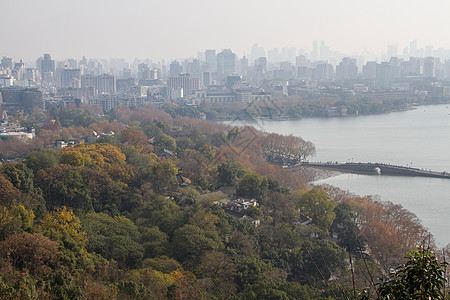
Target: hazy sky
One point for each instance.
(180, 28)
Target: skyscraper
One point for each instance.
(48, 67)
(314, 53)
(70, 78)
(429, 67)
(392, 51)
(323, 51)
(244, 66)
(347, 69)
(211, 60)
(226, 63)
(413, 48)
(175, 69)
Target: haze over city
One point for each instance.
(174, 29)
(234, 149)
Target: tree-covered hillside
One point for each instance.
(147, 206)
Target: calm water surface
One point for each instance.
(419, 138)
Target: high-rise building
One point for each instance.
(428, 51)
(347, 69)
(314, 54)
(291, 53)
(6, 63)
(48, 66)
(272, 55)
(244, 66)
(430, 67)
(323, 51)
(370, 70)
(143, 71)
(211, 60)
(103, 84)
(70, 78)
(226, 63)
(392, 51)
(301, 61)
(413, 48)
(385, 75)
(15, 99)
(233, 81)
(182, 86)
(261, 63)
(19, 70)
(175, 69)
(206, 78)
(257, 51)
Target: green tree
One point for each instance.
(162, 264)
(151, 129)
(345, 227)
(259, 280)
(108, 139)
(208, 151)
(162, 175)
(159, 211)
(61, 286)
(164, 141)
(115, 238)
(252, 185)
(20, 176)
(64, 186)
(154, 241)
(38, 160)
(132, 290)
(230, 172)
(317, 205)
(191, 242)
(16, 220)
(136, 158)
(328, 257)
(422, 278)
(76, 118)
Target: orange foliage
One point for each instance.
(204, 125)
(186, 285)
(389, 229)
(133, 137)
(144, 114)
(8, 193)
(34, 253)
(106, 127)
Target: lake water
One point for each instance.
(419, 138)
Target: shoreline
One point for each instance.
(282, 118)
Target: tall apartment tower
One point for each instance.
(103, 84)
(182, 86)
(175, 69)
(211, 60)
(315, 52)
(48, 67)
(430, 65)
(6, 63)
(392, 51)
(226, 63)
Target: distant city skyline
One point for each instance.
(175, 29)
(320, 51)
